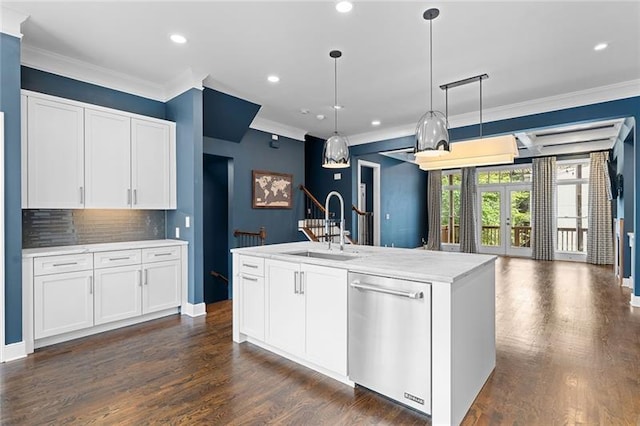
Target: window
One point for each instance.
(572, 201)
(450, 207)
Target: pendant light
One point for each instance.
(335, 153)
(432, 135)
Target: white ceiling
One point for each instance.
(531, 51)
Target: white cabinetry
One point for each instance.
(251, 283)
(307, 312)
(63, 294)
(107, 159)
(151, 170)
(118, 290)
(55, 154)
(77, 155)
(161, 289)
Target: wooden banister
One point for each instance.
(358, 211)
(261, 235)
(312, 198)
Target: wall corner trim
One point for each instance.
(10, 21)
(626, 282)
(635, 301)
(15, 351)
(275, 128)
(188, 79)
(194, 310)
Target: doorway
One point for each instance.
(504, 222)
(368, 190)
(217, 177)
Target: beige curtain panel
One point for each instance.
(600, 233)
(434, 194)
(543, 189)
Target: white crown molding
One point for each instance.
(275, 128)
(79, 70)
(595, 95)
(10, 22)
(188, 79)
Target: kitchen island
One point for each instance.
(417, 326)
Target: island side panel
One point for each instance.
(473, 338)
(236, 297)
(441, 356)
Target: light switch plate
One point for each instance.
(187, 222)
(337, 176)
(177, 232)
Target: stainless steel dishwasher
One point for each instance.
(390, 338)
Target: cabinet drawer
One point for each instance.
(64, 263)
(108, 259)
(160, 254)
(251, 265)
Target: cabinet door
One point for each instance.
(62, 303)
(153, 156)
(55, 155)
(161, 286)
(118, 293)
(107, 160)
(325, 290)
(285, 307)
(252, 310)
(23, 152)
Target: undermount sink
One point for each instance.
(323, 255)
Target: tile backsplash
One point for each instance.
(48, 228)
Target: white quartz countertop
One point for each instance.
(92, 248)
(411, 264)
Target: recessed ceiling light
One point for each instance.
(177, 38)
(600, 46)
(344, 6)
(304, 111)
(273, 78)
(338, 107)
(320, 117)
(375, 123)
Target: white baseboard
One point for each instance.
(626, 282)
(196, 310)
(15, 351)
(635, 300)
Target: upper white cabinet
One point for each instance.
(107, 139)
(151, 166)
(55, 154)
(78, 155)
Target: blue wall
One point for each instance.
(10, 105)
(254, 153)
(186, 111)
(227, 117)
(56, 85)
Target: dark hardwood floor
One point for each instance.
(568, 352)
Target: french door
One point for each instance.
(504, 220)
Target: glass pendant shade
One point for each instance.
(432, 136)
(335, 153)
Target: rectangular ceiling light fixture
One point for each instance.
(476, 152)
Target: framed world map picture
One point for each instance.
(271, 190)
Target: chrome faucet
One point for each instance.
(326, 219)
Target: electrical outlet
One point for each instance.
(337, 176)
(387, 216)
(187, 222)
(177, 232)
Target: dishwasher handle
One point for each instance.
(385, 290)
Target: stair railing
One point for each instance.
(365, 226)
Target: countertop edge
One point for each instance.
(99, 247)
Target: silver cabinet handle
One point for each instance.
(129, 196)
(90, 285)
(249, 265)
(112, 259)
(244, 277)
(81, 195)
(385, 290)
(162, 254)
(295, 283)
(139, 278)
(65, 264)
(135, 196)
(302, 283)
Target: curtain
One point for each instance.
(543, 189)
(434, 194)
(600, 233)
(468, 207)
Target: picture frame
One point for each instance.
(271, 190)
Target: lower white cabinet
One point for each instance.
(307, 312)
(250, 279)
(118, 293)
(161, 288)
(63, 302)
(81, 294)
